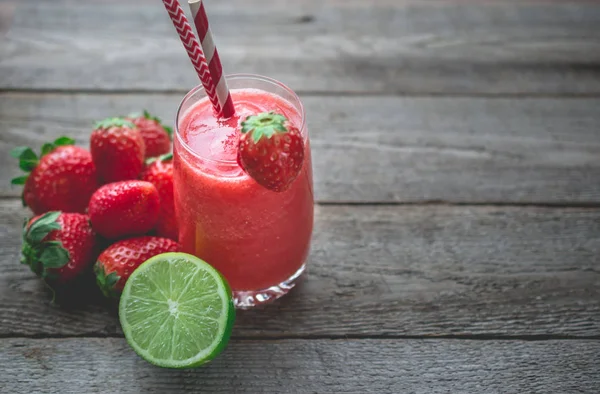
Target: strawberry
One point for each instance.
(157, 137)
(118, 261)
(59, 246)
(159, 172)
(271, 150)
(62, 179)
(124, 209)
(118, 150)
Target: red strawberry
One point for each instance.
(124, 209)
(157, 137)
(271, 150)
(118, 150)
(59, 246)
(115, 264)
(159, 172)
(62, 179)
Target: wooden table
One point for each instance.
(457, 175)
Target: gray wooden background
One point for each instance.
(457, 175)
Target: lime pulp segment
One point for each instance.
(176, 311)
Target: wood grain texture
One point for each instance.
(373, 149)
(432, 47)
(383, 271)
(300, 366)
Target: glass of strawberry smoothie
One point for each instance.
(257, 238)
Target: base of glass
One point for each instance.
(250, 299)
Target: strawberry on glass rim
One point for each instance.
(271, 150)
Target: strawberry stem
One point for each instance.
(106, 283)
(165, 157)
(149, 116)
(28, 160)
(113, 122)
(41, 255)
(264, 124)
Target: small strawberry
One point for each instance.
(271, 150)
(124, 209)
(59, 246)
(157, 137)
(159, 172)
(118, 150)
(118, 261)
(62, 179)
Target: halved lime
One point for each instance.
(176, 311)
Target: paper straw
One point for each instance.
(194, 51)
(212, 56)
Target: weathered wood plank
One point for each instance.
(384, 271)
(301, 366)
(383, 149)
(467, 47)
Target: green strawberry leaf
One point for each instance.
(27, 160)
(112, 279)
(43, 257)
(54, 255)
(42, 227)
(47, 218)
(113, 122)
(20, 180)
(18, 151)
(280, 127)
(53, 243)
(24, 228)
(165, 157)
(62, 141)
(37, 234)
(257, 134)
(149, 116)
(264, 124)
(47, 148)
(27, 165)
(106, 283)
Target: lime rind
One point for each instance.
(144, 307)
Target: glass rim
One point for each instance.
(199, 87)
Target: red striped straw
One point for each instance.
(212, 56)
(194, 51)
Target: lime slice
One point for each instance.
(176, 311)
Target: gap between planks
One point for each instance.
(485, 337)
(441, 203)
(308, 93)
(490, 204)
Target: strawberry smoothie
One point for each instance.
(257, 238)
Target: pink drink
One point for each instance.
(258, 239)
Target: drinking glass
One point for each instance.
(257, 238)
